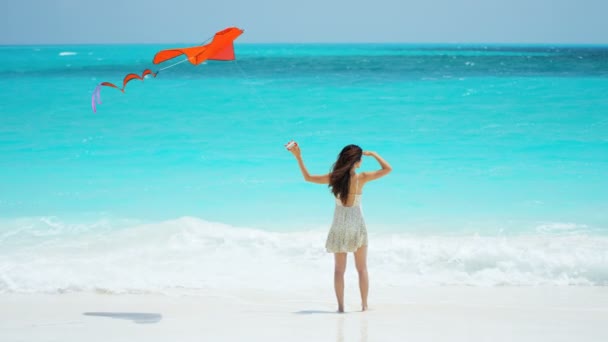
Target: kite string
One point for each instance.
(256, 93)
(261, 99)
(172, 65)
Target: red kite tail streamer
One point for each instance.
(131, 77)
(96, 99)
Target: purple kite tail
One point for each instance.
(96, 98)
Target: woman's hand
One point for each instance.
(368, 153)
(295, 150)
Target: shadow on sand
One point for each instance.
(135, 317)
(313, 312)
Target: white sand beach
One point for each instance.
(448, 313)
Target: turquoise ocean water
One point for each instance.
(500, 157)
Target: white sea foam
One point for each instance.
(48, 255)
(67, 53)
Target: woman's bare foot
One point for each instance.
(364, 307)
(340, 308)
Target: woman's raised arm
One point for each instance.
(373, 175)
(318, 179)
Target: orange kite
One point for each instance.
(221, 48)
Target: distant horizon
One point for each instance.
(514, 44)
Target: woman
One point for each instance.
(348, 232)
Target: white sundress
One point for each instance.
(348, 231)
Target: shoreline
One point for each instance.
(420, 313)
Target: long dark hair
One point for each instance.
(339, 178)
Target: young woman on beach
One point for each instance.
(348, 233)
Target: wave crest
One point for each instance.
(49, 255)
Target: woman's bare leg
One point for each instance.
(361, 263)
(340, 268)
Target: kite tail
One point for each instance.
(131, 77)
(96, 98)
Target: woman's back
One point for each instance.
(354, 193)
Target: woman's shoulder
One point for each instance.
(362, 176)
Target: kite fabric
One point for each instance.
(221, 48)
